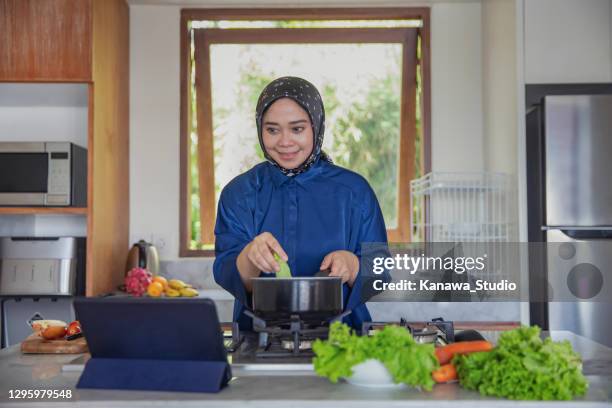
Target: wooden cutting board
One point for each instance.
(37, 345)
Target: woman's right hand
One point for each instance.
(258, 256)
(260, 252)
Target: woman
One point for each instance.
(299, 205)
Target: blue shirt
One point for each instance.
(324, 209)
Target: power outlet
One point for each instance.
(159, 242)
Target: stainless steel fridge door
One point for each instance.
(586, 316)
(578, 145)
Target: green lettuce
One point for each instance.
(524, 367)
(407, 361)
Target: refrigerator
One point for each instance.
(577, 213)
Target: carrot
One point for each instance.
(445, 373)
(445, 354)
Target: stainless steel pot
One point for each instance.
(312, 298)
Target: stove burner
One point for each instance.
(437, 330)
(290, 345)
(289, 337)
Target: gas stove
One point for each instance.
(291, 340)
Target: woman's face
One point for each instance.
(287, 133)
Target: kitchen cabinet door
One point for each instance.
(45, 40)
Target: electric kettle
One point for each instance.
(143, 255)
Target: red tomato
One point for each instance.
(74, 328)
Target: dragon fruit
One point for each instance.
(137, 281)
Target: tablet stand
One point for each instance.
(155, 375)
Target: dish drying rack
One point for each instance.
(465, 207)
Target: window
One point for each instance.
(371, 67)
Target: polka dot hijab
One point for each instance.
(307, 96)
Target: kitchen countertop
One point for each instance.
(282, 388)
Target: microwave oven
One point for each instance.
(43, 174)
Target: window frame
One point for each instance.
(208, 36)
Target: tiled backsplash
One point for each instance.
(197, 272)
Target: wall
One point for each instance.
(456, 87)
(43, 112)
(499, 85)
(457, 140)
(573, 44)
(154, 126)
(499, 70)
(521, 147)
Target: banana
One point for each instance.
(177, 284)
(172, 292)
(189, 292)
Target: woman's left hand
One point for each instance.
(344, 264)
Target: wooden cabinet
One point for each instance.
(47, 40)
(82, 41)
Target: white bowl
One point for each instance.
(372, 373)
